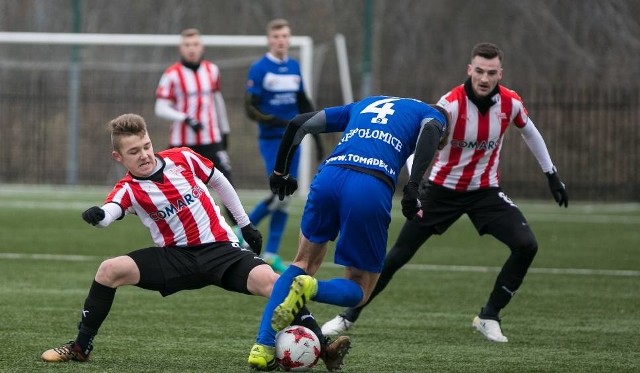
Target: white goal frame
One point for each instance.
(305, 43)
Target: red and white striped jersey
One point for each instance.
(192, 93)
(471, 158)
(178, 210)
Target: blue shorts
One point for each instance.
(355, 205)
(269, 152)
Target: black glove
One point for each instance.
(93, 215)
(410, 202)
(253, 237)
(282, 185)
(557, 188)
(225, 141)
(195, 125)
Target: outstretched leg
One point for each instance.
(111, 274)
(411, 237)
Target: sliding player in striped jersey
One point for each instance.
(195, 247)
(465, 180)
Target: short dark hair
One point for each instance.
(190, 32)
(487, 50)
(126, 125)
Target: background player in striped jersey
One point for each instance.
(195, 247)
(465, 180)
(189, 95)
(351, 196)
(275, 94)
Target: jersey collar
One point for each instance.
(157, 174)
(483, 103)
(275, 59)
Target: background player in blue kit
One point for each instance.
(350, 195)
(275, 94)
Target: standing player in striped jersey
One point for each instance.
(275, 94)
(465, 180)
(188, 94)
(195, 247)
(350, 196)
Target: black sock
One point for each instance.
(352, 314)
(489, 311)
(85, 339)
(306, 319)
(498, 299)
(94, 312)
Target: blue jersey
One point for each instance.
(277, 83)
(380, 132)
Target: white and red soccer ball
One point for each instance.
(297, 349)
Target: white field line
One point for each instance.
(50, 205)
(414, 267)
(581, 218)
(65, 258)
(551, 271)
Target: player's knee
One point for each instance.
(261, 279)
(107, 272)
(526, 246)
(114, 272)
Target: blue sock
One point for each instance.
(340, 292)
(276, 229)
(266, 334)
(258, 213)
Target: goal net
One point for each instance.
(58, 91)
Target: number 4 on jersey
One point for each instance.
(381, 108)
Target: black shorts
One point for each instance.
(441, 207)
(171, 269)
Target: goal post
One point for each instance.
(304, 43)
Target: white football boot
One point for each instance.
(489, 328)
(336, 326)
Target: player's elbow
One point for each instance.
(157, 108)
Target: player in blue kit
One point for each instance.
(351, 196)
(275, 94)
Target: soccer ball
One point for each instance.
(297, 349)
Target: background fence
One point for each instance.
(593, 136)
(574, 63)
(592, 133)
